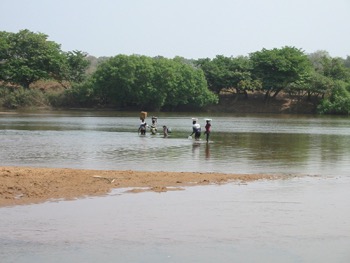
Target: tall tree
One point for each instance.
(188, 86)
(335, 68)
(150, 83)
(27, 57)
(278, 68)
(77, 65)
(317, 58)
(347, 61)
(326, 71)
(229, 73)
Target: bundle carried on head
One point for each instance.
(143, 115)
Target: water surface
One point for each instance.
(239, 144)
(298, 219)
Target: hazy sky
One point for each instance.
(187, 28)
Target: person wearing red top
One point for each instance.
(207, 129)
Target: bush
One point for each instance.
(338, 102)
(14, 98)
(80, 95)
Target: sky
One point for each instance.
(188, 28)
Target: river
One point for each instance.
(303, 218)
(238, 144)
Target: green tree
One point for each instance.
(315, 86)
(347, 62)
(26, 57)
(326, 71)
(278, 68)
(77, 65)
(150, 83)
(124, 80)
(335, 68)
(319, 85)
(188, 86)
(212, 73)
(317, 58)
(339, 100)
(228, 73)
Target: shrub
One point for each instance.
(338, 102)
(14, 98)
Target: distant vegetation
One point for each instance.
(35, 72)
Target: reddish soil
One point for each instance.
(26, 185)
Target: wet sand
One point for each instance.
(27, 185)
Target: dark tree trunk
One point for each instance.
(245, 94)
(267, 95)
(276, 93)
(308, 96)
(25, 85)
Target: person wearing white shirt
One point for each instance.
(196, 129)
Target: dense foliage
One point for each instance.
(287, 70)
(148, 83)
(141, 82)
(279, 68)
(228, 73)
(26, 57)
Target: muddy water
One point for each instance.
(239, 144)
(305, 219)
(294, 220)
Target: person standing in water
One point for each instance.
(154, 125)
(165, 131)
(143, 126)
(196, 129)
(207, 129)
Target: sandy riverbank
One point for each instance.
(26, 185)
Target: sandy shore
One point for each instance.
(26, 185)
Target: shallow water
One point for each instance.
(239, 144)
(293, 220)
(299, 219)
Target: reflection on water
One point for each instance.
(207, 151)
(239, 144)
(295, 220)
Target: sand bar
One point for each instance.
(27, 185)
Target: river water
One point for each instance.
(239, 144)
(296, 219)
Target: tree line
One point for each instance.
(158, 83)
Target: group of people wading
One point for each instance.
(196, 127)
(153, 128)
